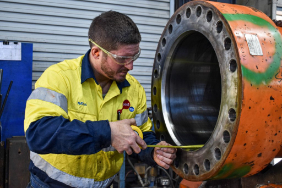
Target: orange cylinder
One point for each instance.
(217, 81)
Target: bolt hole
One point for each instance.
(162, 138)
(227, 43)
(164, 42)
(19, 152)
(232, 65)
(207, 165)
(159, 57)
(155, 108)
(154, 91)
(232, 114)
(156, 73)
(185, 168)
(209, 16)
(217, 153)
(178, 19)
(219, 27)
(188, 12)
(199, 11)
(170, 28)
(196, 169)
(226, 136)
(176, 163)
(158, 124)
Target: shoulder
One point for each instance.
(133, 82)
(70, 64)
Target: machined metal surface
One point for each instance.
(216, 81)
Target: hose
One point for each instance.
(139, 177)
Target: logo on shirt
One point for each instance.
(82, 103)
(131, 109)
(125, 105)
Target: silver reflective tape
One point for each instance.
(141, 118)
(51, 96)
(110, 148)
(65, 178)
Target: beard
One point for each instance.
(110, 73)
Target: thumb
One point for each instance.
(132, 121)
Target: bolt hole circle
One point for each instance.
(163, 42)
(198, 11)
(219, 27)
(232, 114)
(188, 12)
(217, 153)
(185, 168)
(178, 19)
(209, 16)
(170, 28)
(156, 73)
(155, 108)
(207, 165)
(226, 136)
(158, 124)
(232, 65)
(196, 169)
(227, 44)
(159, 57)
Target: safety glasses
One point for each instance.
(120, 60)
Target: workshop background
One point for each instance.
(55, 30)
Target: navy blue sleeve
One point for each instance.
(61, 136)
(147, 154)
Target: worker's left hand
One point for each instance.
(164, 156)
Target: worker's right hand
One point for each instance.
(123, 138)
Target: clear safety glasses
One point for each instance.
(121, 60)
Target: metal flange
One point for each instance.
(216, 81)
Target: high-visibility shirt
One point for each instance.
(67, 125)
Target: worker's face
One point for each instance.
(112, 69)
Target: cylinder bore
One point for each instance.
(193, 89)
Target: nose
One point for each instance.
(129, 66)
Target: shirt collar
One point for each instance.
(87, 72)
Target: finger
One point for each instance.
(165, 160)
(169, 150)
(135, 148)
(132, 121)
(141, 142)
(128, 151)
(166, 155)
(162, 164)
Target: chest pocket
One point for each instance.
(81, 116)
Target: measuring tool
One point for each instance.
(190, 147)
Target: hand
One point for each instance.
(123, 138)
(164, 156)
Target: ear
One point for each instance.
(95, 52)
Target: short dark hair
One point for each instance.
(110, 29)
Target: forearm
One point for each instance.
(61, 136)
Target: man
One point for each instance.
(78, 118)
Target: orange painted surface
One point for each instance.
(189, 184)
(271, 186)
(259, 133)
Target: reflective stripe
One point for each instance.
(110, 148)
(141, 118)
(51, 96)
(65, 178)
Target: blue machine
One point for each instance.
(16, 65)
